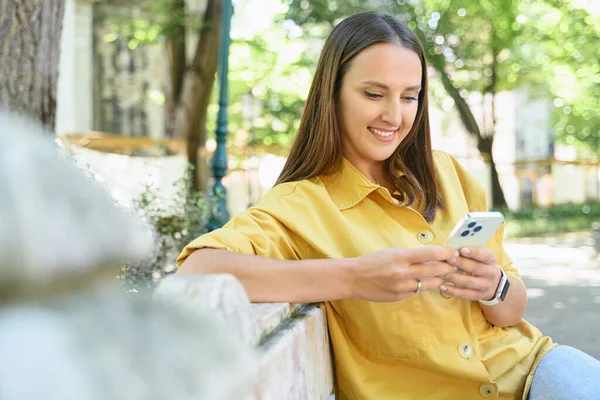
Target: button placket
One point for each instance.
(487, 390)
(465, 350)
(425, 237)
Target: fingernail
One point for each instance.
(456, 254)
(465, 250)
(456, 269)
(443, 288)
(452, 261)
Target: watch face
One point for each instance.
(504, 291)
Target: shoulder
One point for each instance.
(294, 188)
(294, 194)
(449, 167)
(444, 159)
(456, 181)
(304, 188)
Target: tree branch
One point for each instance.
(464, 111)
(198, 83)
(176, 46)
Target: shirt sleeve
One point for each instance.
(476, 198)
(254, 232)
(502, 259)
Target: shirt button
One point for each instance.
(465, 350)
(425, 237)
(487, 390)
(447, 295)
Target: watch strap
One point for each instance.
(501, 291)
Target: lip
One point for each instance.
(383, 138)
(384, 130)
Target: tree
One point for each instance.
(267, 62)
(190, 79)
(191, 85)
(561, 63)
(471, 45)
(30, 33)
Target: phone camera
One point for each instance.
(477, 228)
(465, 233)
(472, 224)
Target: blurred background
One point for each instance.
(166, 103)
(515, 90)
(515, 96)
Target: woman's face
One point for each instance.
(378, 103)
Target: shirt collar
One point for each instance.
(349, 186)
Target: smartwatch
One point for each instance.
(500, 291)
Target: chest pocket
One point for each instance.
(395, 330)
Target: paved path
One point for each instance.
(563, 281)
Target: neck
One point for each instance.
(373, 171)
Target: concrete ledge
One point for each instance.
(223, 294)
(291, 339)
(268, 316)
(296, 358)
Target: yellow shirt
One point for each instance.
(426, 347)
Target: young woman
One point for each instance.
(358, 219)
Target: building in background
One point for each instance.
(533, 169)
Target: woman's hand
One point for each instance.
(478, 276)
(393, 274)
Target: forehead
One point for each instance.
(391, 64)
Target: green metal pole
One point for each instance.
(220, 214)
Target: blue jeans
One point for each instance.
(566, 373)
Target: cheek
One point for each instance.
(360, 113)
(368, 111)
(409, 115)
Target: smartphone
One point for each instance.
(475, 229)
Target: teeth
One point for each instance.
(381, 133)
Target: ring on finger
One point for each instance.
(418, 286)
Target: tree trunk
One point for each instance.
(484, 141)
(176, 52)
(464, 111)
(486, 146)
(30, 32)
(197, 87)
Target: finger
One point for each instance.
(431, 284)
(427, 270)
(481, 254)
(409, 286)
(469, 282)
(470, 266)
(474, 267)
(446, 277)
(463, 293)
(430, 253)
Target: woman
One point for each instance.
(358, 219)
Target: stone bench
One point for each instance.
(292, 341)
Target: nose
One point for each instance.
(393, 114)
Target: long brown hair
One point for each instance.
(317, 149)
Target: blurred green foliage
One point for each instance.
(175, 223)
(537, 221)
(559, 53)
(548, 48)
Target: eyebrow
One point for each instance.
(386, 87)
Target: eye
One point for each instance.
(409, 99)
(373, 95)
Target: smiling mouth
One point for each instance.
(382, 133)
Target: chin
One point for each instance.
(381, 156)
